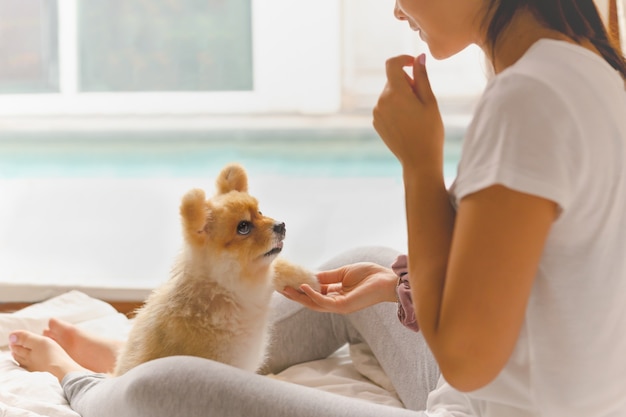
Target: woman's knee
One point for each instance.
(177, 385)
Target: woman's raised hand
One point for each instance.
(407, 116)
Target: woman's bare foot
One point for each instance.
(88, 350)
(39, 353)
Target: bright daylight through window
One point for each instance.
(111, 111)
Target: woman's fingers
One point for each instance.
(330, 277)
(421, 83)
(397, 78)
(313, 300)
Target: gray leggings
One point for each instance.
(190, 386)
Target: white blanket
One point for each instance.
(351, 371)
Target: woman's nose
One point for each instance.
(398, 13)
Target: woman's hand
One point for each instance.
(407, 116)
(348, 289)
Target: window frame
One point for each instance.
(296, 63)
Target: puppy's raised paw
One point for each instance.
(287, 274)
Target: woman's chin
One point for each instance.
(439, 53)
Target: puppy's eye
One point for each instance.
(260, 214)
(244, 227)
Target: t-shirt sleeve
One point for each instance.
(523, 138)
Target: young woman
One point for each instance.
(517, 274)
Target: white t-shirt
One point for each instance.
(554, 125)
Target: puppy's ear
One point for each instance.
(194, 212)
(232, 178)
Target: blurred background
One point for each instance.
(110, 111)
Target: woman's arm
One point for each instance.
(470, 273)
(471, 294)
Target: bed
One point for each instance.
(351, 371)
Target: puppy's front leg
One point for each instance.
(287, 274)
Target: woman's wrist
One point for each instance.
(391, 285)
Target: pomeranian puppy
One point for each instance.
(216, 303)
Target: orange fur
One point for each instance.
(216, 303)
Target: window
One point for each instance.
(28, 46)
(129, 90)
(169, 57)
(161, 45)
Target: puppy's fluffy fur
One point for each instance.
(216, 303)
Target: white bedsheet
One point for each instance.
(351, 371)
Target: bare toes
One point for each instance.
(38, 353)
(22, 344)
(62, 332)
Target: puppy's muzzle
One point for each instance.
(280, 230)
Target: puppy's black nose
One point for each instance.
(279, 228)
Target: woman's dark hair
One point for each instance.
(577, 19)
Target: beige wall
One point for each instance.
(603, 6)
